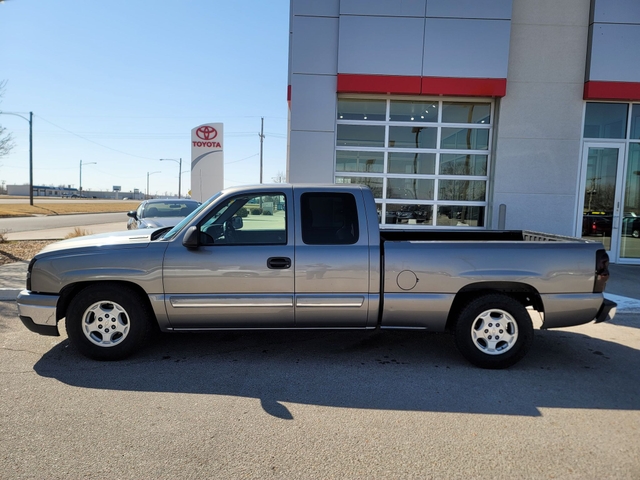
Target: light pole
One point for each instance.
(150, 173)
(30, 120)
(179, 162)
(87, 163)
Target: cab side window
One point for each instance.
(247, 220)
(329, 218)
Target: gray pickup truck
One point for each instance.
(313, 257)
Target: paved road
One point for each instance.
(321, 405)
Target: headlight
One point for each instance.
(29, 268)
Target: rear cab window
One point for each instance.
(329, 218)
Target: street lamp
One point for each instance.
(87, 163)
(150, 173)
(179, 162)
(30, 120)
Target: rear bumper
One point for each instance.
(607, 311)
(38, 312)
(571, 309)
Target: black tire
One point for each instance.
(494, 331)
(108, 322)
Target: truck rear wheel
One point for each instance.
(108, 322)
(494, 331)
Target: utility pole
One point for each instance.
(30, 120)
(179, 162)
(261, 141)
(31, 158)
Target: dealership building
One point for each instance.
(474, 114)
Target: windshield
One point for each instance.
(169, 208)
(185, 221)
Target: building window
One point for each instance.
(426, 161)
(605, 120)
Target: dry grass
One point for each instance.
(21, 251)
(42, 207)
(78, 232)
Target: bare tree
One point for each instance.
(6, 139)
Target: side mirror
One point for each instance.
(132, 214)
(190, 239)
(237, 223)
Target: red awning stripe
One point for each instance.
(392, 84)
(612, 90)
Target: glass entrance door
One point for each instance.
(630, 227)
(603, 187)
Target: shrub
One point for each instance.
(78, 232)
(256, 211)
(3, 236)
(243, 212)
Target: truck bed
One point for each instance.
(395, 235)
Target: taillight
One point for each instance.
(602, 271)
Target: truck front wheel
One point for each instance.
(494, 331)
(108, 322)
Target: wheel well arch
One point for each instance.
(70, 291)
(522, 292)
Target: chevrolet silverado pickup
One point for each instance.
(313, 257)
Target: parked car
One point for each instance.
(600, 223)
(631, 225)
(597, 224)
(157, 213)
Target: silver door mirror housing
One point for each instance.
(190, 239)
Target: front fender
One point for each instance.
(141, 266)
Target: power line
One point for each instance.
(91, 141)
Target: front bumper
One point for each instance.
(607, 311)
(38, 312)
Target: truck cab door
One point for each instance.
(241, 272)
(331, 260)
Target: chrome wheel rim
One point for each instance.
(105, 324)
(494, 332)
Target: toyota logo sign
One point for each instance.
(206, 132)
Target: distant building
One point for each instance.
(40, 191)
(44, 191)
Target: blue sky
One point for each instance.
(122, 83)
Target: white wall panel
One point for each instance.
(466, 48)
(548, 53)
(535, 106)
(315, 45)
(537, 154)
(614, 53)
(395, 8)
(552, 169)
(380, 45)
(550, 12)
(495, 9)
(311, 156)
(313, 102)
(537, 211)
(616, 11)
(323, 8)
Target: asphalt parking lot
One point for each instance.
(321, 405)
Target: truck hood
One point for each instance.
(137, 238)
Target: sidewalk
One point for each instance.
(60, 233)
